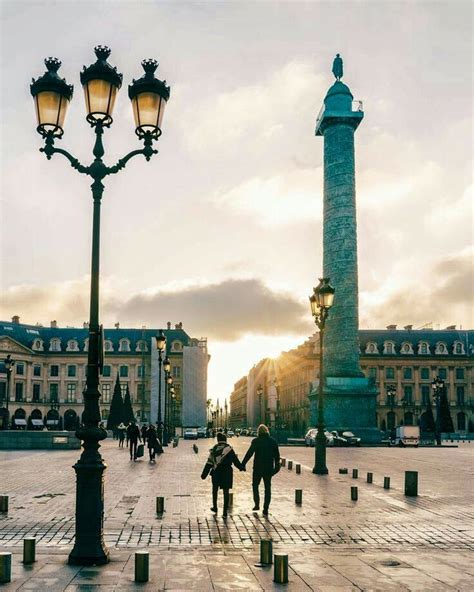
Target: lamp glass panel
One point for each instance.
(314, 306)
(326, 299)
(100, 98)
(51, 110)
(148, 110)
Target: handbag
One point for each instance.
(140, 450)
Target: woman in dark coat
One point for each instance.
(154, 445)
(219, 465)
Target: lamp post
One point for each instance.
(52, 96)
(437, 385)
(259, 395)
(391, 392)
(321, 301)
(166, 368)
(172, 419)
(8, 362)
(160, 346)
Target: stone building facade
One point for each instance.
(48, 377)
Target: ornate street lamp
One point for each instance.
(173, 401)
(321, 301)
(8, 362)
(438, 386)
(52, 95)
(160, 346)
(168, 385)
(259, 395)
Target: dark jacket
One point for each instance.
(267, 455)
(223, 475)
(152, 438)
(133, 433)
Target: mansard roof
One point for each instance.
(415, 336)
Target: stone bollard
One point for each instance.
(195, 448)
(160, 505)
(354, 494)
(290, 465)
(386, 482)
(3, 503)
(370, 477)
(280, 571)
(355, 473)
(266, 551)
(298, 497)
(343, 471)
(142, 566)
(231, 499)
(283, 462)
(29, 550)
(298, 469)
(411, 483)
(5, 567)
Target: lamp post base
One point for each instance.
(320, 467)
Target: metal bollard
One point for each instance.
(370, 477)
(5, 567)
(231, 499)
(29, 550)
(298, 469)
(298, 497)
(411, 483)
(266, 551)
(160, 505)
(355, 473)
(290, 465)
(280, 571)
(354, 494)
(142, 566)
(283, 462)
(386, 482)
(3, 503)
(343, 471)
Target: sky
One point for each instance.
(222, 230)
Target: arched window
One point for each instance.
(108, 346)
(458, 348)
(86, 344)
(72, 345)
(461, 421)
(441, 348)
(391, 420)
(38, 345)
(177, 346)
(406, 348)
(371, 348)
(408, 418)
(388, 347)
(423, 348)
(55, 344)
(124, 345)
(142, 346)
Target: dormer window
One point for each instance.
(124, 345)
(55, 344)
(38, 345)
(72, 345)
(406, 348)
(86, 344)
(423, 348)
(142, 346)
(441, 348)
(458, 348)
(371, 348)
(388, 348)
(177, 346)
(108, 346)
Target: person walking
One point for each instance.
(219, 464)
(121, 429)
(144, 431)
(153, 443)
(265, 464)
(126, 432)
(133, 435)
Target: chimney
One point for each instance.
(176, 326)
(16, 320)
(85, 325)
(451, 328)
(117, 325)
(168, 325)
(391, 327)
(53, 324)
(180, 325)
(408, 327)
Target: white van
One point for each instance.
(407, 435)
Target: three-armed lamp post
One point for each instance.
(160, 346)
(321, 301)
(52, 96)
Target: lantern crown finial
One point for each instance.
(102, 52)
(149, 65)
(52, 64)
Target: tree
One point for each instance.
(116, 414)
(127, 407)
(428, 419)
(445, 420)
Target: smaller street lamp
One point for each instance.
(160, 346)
(8, 362)
(321, 301)
(438, 386)
(259, 395)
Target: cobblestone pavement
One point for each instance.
(383, 541)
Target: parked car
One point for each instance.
(351, 439)
(190, 434)
(244, 432)
(230, 433)
(310, 438)
(201, 432)
(338, 440)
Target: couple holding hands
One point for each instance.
(266, 464)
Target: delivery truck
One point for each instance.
(407, 436)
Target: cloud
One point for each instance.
(224, 311)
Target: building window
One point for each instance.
(459, 373)
(86, 344)
(71, 371)
(38, 345)
(407, 373)
(177, 346)
(141, 393)
(425, 394)
(460, 395)
(388, 348)
(36, 370)
(407, 395)
(141, 371)
(371, 348)
(458, 348)
(123, 390)
(443, 373)
(389, 373)
(141, 346)
(71, 393)
(124, 345)
(406, 348)
(72, 345)
(441, 348)
(36, 393)
(106, 393)
(55, 344)
(423, 348)
(20, 368)
(108, 346)
(18, 391)
(53, 392)
(424, 373)
(176, 371)
(106, 371)
(54, 370)
(123, 371)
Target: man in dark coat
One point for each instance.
(265, 464)
(219, 465)
(133, 435)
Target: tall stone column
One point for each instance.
(349, 397)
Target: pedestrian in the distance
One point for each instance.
(265, 464)
(126, 432)
(219, 465)
(153, 443)
(133, 435)
(121, 429)
(144, 431)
